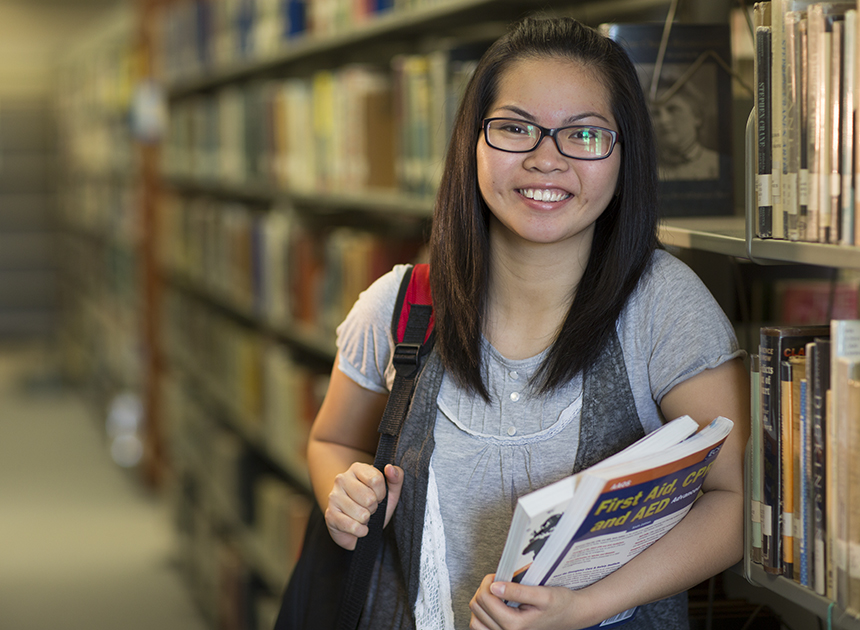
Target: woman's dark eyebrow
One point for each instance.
(572, 120)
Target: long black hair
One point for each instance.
(625, 235)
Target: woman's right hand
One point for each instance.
(355, 496)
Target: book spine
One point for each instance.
(835, 128)
(787, 454)
(845, 345)
(821, 383)
(764, 132)
(815, 117)
(798, 367)
(824, 157)
(771, 546)
(855, 208)
(853, 403)
(803, 173)
(791, 151)
(755, 459)
(849, 74)
(805, 478)
(778, 105)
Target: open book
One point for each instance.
(578, 530)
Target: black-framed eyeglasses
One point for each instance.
(580, 142)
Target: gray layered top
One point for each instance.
(480, 457)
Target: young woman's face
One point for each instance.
(543, 196)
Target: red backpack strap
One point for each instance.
(414, 291)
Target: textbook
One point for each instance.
(584, 527)
(538, 512)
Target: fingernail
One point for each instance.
(497, 589)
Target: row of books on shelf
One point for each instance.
(103, 208)
(807, 159)
(241, 521)
(271, 265)
(222, 572)
(348, 129)
(804, 464)
(202, 36)
(267, 396)
(95, 146)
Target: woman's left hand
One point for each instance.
(541, 607)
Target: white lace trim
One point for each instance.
(433, 608)
(565, 418)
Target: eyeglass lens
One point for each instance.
(575, 141)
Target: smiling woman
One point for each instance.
(563, 334)
(541, 194)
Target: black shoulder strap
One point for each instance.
(412, 328)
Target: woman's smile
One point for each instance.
(550, 195)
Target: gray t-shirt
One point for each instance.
(489, 454)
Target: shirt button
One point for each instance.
(514, 375)
(512, 430)
(515, 396)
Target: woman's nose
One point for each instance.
(546, 155)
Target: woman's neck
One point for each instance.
(530, 292)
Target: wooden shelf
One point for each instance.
(727, 235)
(389, 202)
(820, 606)
(401, 29)
(721, 235)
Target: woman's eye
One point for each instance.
(583, 134)
(515, 129)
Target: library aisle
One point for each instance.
(83, 545)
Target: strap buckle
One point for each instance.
(405, 358)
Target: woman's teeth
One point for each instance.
(544, 195)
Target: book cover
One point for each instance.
(620, 510)
(691, 107)
(538, 512)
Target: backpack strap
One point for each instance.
(414, 292)
(412, 328)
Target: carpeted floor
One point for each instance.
(83, 546)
